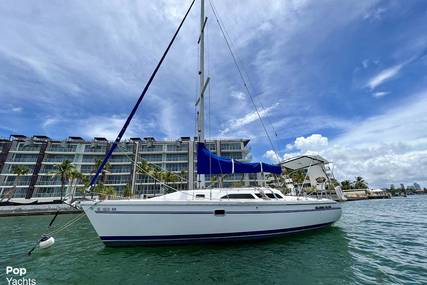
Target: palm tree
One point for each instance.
(19, 170)
(106, 169)
(360, 183)
(144, 167)
(346, 185)
(214, 180)
(64, 171)
(73, 178)
(157, 175)
(127, 191)
(104, 191)
(86, 181)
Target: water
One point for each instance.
(375, 242)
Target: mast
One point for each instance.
(201, 99)
(201, 114)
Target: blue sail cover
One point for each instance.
(210, 163)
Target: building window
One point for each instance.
(24, 146)
(94, 158)
(233, 155)
(96, 148)
(177, 157)
(231, 146)
(176, 166)
(87, 169)
(62, 147)
(24, 157)
(124, 147)
(120, 169)
(59, 157)
(151, 148)
(151, 157)
(177, 147)
(211, 147)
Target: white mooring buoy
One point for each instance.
(46, 241)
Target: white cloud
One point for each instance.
(315, 142)
(247, 119)
(108, 127)
(17, 109)
(380, 94)
(384, 75)
(48, 122)
(375, 14)
(365, 63)
(238, 95)
(384, 149)
(271, 155)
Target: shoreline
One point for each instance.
(34, 209)
(51, 209)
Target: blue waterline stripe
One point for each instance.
(208, 237)
(211, 212)
(229, 203)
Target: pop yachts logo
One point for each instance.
(16, 276)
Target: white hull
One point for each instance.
(168, 221)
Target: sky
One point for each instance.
(344, 79)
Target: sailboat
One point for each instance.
(206, 215)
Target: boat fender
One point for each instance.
(46, 241)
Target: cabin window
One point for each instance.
(200, 196)
(238, 196)
(270, 195)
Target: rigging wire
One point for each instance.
(227, 41)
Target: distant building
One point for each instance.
(417, 186)
(40, 154)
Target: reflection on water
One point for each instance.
(374, 242)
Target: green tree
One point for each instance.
(214, 180)
(19, 171)
(104, 191)
(73, 178)
(346, 185)
(64, 171)
(127, 192)
(85, 181)
(105, 169)
(360, 183)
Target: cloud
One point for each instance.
(384, 75)
(380, 94)
(238, 95)
(48, 122)
(384, 149)
(108, 127)
(375, 14)
(17, 109)
(248, 119)
(271, 155)
(311, 143)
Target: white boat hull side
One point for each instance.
(146, 222)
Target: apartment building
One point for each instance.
(41, 154)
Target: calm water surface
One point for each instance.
(375, 242)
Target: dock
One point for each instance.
(30, 207)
